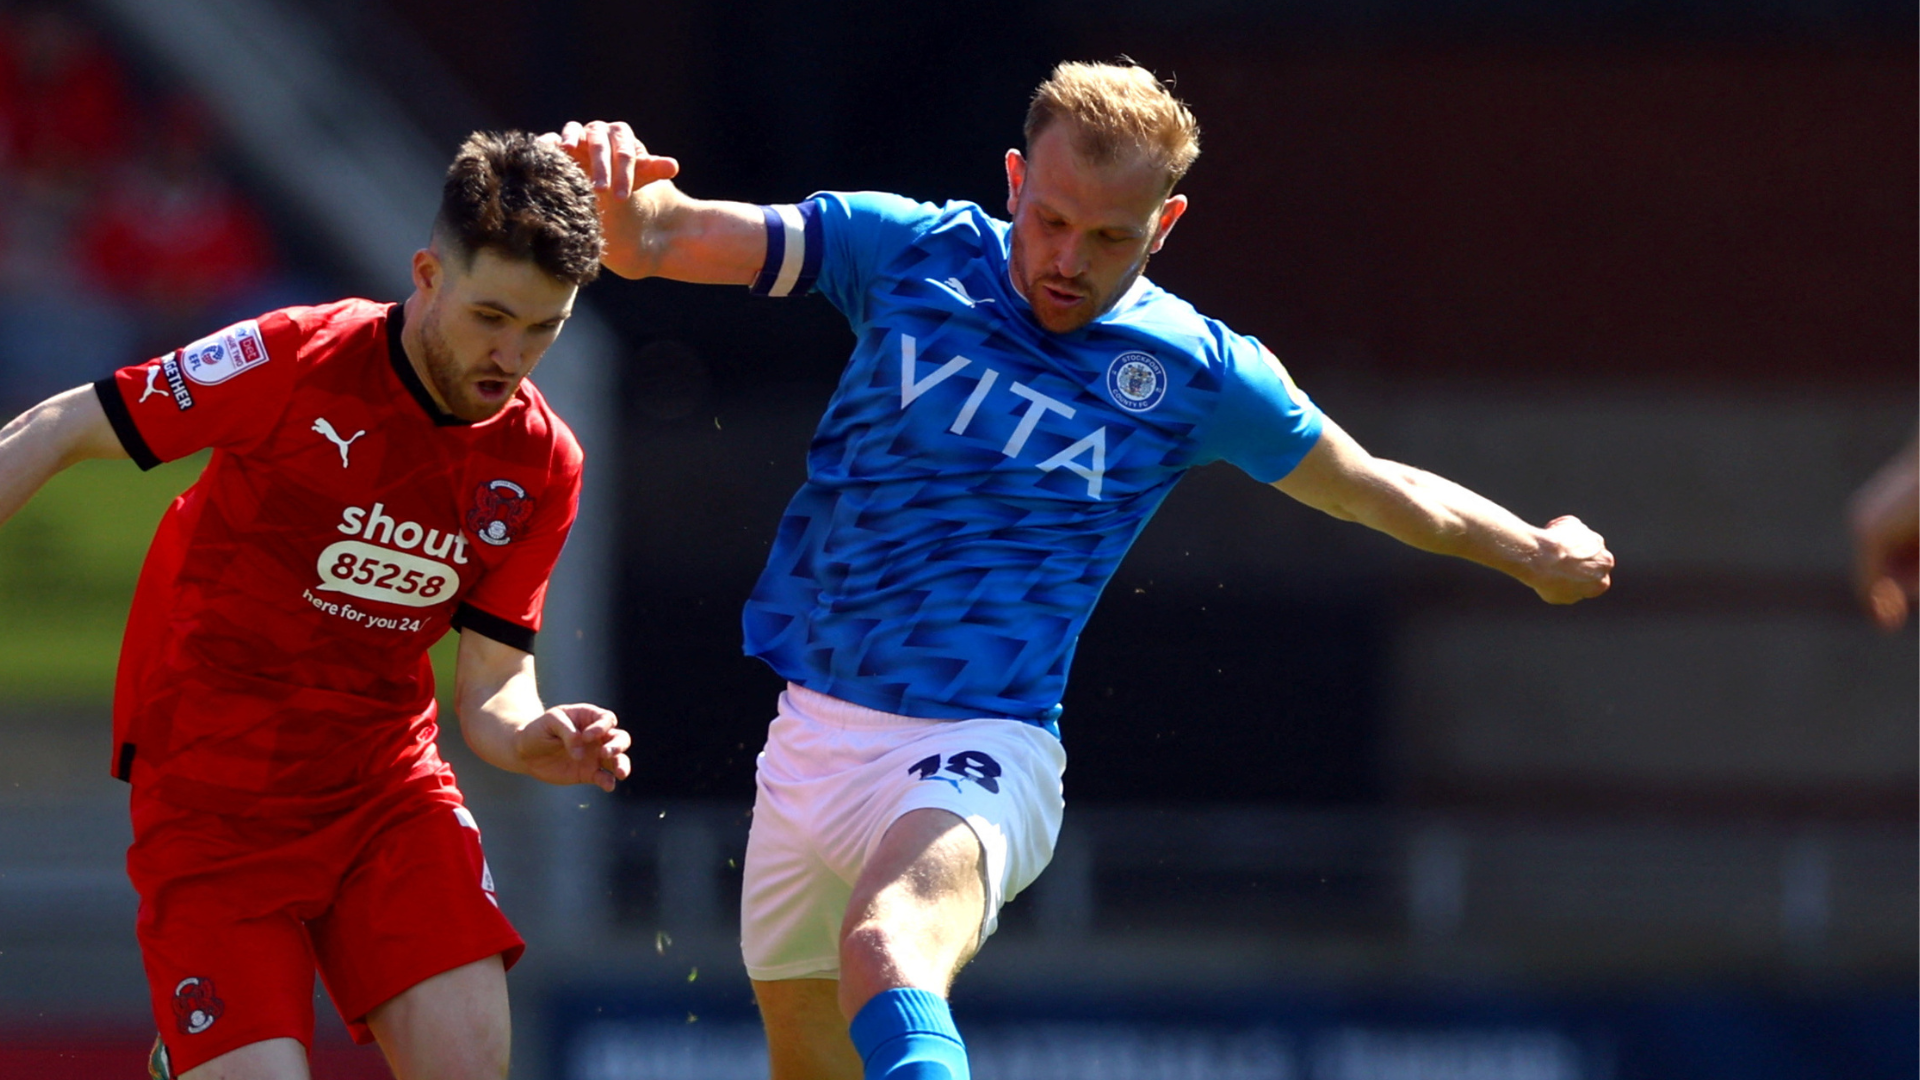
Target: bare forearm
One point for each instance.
(1564, 561)
(665, 233)
(492, 716)
(1437, 515)
(61, 431)
(637, 240)
(501, 716)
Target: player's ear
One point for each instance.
(428, 271)
(1016, 175)
(1170, 212)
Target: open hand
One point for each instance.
(620, 170)
(616, 163)
(1574, 563)
(575, 744)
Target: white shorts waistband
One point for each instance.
(827, 709)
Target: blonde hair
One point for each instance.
(1117, 110)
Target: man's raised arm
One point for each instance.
(63, 430)
(1565, 562)
(652, 228)
(498, 704)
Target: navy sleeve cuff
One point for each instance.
(504, 631)
(108, 391)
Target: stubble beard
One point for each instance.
(449, 379)
(1097, 305)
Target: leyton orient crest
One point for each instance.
(500, 508)
(195, 1005)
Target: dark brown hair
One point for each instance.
(525, 201)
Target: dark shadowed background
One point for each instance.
(1338, 809)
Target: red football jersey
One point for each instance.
(276, 655)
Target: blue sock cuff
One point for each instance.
(898, 1013)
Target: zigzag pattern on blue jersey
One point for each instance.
(973, 485)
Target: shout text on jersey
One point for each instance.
(381, 564)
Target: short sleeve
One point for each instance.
(226, 390)
(506, 603)
(1264, 424)
(836, 243)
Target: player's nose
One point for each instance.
(1070, 260)
(510, 357)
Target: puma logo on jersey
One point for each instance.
(320, 425)
(176, 387)
(959, 291)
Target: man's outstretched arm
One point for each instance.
(498, 704)
(1565, 562)
(63, 430)
(1885, 514)
(652, 228)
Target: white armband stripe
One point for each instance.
(794, 257)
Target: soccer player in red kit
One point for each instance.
(380, 474)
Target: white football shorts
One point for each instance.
(834, 776)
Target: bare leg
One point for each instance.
(806, 1035)
(913, 921)
(453, 1026)
(914, 917)
(268, 1059)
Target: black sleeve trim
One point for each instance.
(504, 631)
(123, 768)
(108, 392)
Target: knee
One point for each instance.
(870, 962)
(868, 948)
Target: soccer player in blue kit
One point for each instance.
(1019, 401)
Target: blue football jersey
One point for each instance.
(976, 479)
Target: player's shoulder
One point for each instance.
(883, 209)
(338, 317)
(1151, 312)
(537, 430)
(292, 338)
(308, 333)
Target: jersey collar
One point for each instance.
(397, 356)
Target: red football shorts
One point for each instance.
(237, 913)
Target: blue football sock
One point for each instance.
(908, 1034)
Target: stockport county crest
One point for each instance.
(500, 509)
(1136, 381)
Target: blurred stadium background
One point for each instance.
(1339, 812)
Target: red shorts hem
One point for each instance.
(199, 1053)
(508, 947)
